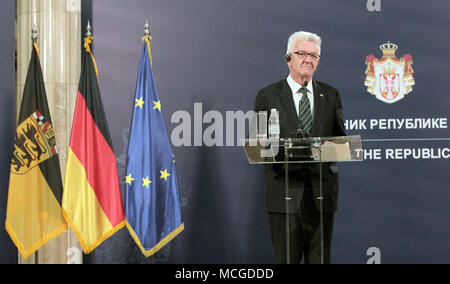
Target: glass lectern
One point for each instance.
(303, 150)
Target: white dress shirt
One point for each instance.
(298, 96)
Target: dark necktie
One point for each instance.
(304, 112)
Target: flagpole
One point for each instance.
(88, 37)
(147, 36)
(34, 38)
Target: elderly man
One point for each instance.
(308, 108)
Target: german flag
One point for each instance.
(92, 202)
(34, 214)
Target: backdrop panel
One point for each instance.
(211, 57)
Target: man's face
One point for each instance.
(303, 68)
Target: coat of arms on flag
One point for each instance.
(34, 215)
(34, 143)
(389, 78)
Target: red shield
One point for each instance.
(389, 85)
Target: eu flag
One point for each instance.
(152, 207)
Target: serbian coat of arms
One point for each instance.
(389, 78)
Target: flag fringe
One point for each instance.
(87, 249)
(159, 245)
(26, 253)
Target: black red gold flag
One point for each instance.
(92, 202)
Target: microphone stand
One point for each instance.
(287, 147)
(318, 146)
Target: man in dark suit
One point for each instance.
(309, 108)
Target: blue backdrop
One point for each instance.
(220, 53)
(215, 55)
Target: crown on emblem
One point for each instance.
(389, 69)
(388, 49)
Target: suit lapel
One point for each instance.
(287, 104)
(319, 97)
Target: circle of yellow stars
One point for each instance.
(146, 181)
(140, 103)
(164, 174)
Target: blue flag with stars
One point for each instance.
(152, 206)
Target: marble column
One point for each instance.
(59, 28)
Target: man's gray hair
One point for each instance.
(303, 36)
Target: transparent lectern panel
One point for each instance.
(304, 150)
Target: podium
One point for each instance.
(303, 150)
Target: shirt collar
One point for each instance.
(295, 86)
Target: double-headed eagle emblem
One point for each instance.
(389, 78)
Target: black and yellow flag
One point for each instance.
(34, 214)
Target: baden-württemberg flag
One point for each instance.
(92, 202)
(152, 207)
(35, 189)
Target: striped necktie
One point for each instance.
(304, 112)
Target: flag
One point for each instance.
(152, 207)
(92, 202)
(34, 214)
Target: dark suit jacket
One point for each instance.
(327, 121)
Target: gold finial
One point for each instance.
(146, 29)
(34, 34)
(147, 38)
(88, 30)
